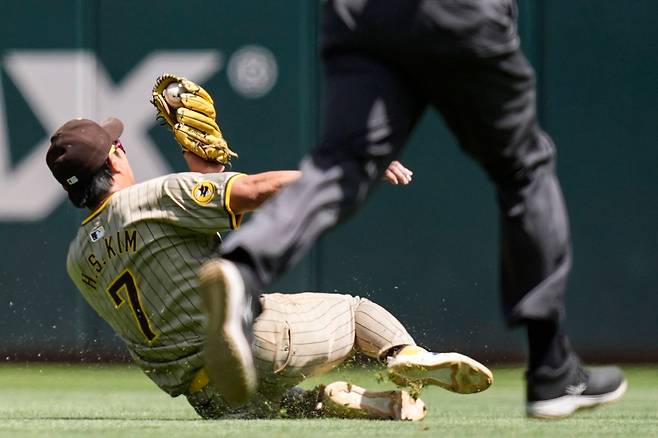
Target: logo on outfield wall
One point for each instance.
(252, 71)
(59, 85)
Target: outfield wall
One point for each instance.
(427, 252)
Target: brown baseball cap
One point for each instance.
(79, 148)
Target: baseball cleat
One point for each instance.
(554, 394)
(227, 352)
(415, 366)
(344, 400)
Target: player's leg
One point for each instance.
(301, 335)
(490, 105)
(380, 335)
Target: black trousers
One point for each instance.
(386, 62)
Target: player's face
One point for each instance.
(119, 162)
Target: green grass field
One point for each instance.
(65, 400)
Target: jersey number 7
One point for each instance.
(126, 281)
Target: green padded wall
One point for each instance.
(428, 251)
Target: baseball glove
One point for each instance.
(189, 111)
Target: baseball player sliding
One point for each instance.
(136, 260)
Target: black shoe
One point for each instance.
(558, 393)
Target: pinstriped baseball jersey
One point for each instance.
(135, 261)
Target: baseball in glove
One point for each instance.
(189, 111)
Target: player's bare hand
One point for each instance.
(396, 174)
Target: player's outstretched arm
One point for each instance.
(250, 191)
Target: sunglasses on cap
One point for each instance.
(116, 145)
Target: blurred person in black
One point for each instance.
(385, 64)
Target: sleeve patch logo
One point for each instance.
(204, 192)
